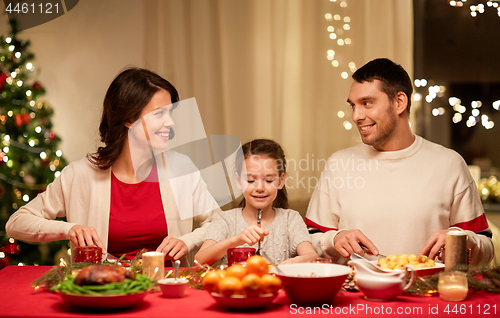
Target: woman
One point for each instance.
(120, 198)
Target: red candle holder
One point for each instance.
(87, 254)
(239, 255)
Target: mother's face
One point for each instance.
(155, 123)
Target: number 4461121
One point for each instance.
(44, 8)
(462, 309)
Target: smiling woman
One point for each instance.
(120, 198)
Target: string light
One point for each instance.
(347, 125)
(338, 33)
(476, 9)
(435, 91)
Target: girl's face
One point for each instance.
(260, 181)
(156, 121)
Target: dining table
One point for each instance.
(19, 299)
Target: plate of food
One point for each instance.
(243, 286)
(422, 265)
(242, 301)
(103, 287)
(103, 301)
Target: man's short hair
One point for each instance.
(393, 76)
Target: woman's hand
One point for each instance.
(81, 235)
(172, 248)
(251, 235)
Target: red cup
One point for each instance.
(87, 254)
(239, 255)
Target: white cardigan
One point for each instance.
(82, 194)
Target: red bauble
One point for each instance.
(22, 119)
(3, 77)
(10, 248)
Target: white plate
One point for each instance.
(419, 271)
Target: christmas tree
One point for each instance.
(29, 155)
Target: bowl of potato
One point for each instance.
(423, 265)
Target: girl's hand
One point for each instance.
(251, 235)
(172, 248)
(288, 261)
(81, 235)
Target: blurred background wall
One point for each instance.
(257, 68)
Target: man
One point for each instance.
(396, 193)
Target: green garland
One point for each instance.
(486, 279)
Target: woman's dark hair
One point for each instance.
(393, 76)
(125, 99)
(269, 149)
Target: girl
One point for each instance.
(119, 198)
(260, 174)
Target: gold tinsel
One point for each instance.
(479, 279)
(193, 274)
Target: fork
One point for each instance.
(368, 251)
(259, 217)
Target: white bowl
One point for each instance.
(172, 288)
(312, 283)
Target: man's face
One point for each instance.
(373, 113)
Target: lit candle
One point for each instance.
(452, 286)
(455, 249)
(153, 265)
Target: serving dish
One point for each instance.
(103, 301)
(426, 271)
(243, 302)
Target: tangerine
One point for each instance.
(238, 271)
(270, 284)
(211, 281)
(257, 265)
(251, 285)
(230, 286)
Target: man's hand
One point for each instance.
(81, 235)
(348, 242)
(434, 245)
(172, 248)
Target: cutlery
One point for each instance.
(259, 217)
(369, 264)
(176, 266)
(367, 251)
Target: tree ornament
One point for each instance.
(3, 77)
(22, 119)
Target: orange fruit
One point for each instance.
(251, 285)
(230, 286)
(257, 265)
(211, 281)
(270, 284)
(238, 271)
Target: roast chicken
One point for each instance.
(103, 274)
